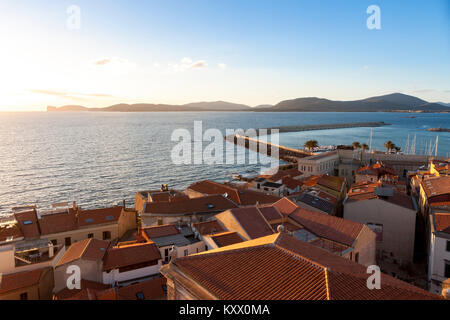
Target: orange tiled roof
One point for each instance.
(270, 212)
(331, 182)
(237, 195)
(442, 222)
(83, 293)
(208, 227)
(89, 249)
(117, 257)
(99, 216)
(435, 186)
(58, 222)
(160, 231)
(252, 221)
(212, 203)
(326, 226)
(280, 174)
(27, 222)
(280, 267)
(19, 280)
(226, 238)
(150, 289)
(291, 183)
(211, 187)
(285, 206)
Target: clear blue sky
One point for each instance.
(245, 51)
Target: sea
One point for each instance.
(99, 159)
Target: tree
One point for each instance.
(397, 149)
(389, 145)
(356, 145)
(311, 144)
(364, 146)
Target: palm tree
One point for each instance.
(356, 145)
(397, 149)
(311, 144)
(364, 146)
(389, 145)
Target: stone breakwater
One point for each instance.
(330, 126)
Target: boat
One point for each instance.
(439, 129)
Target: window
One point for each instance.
(186, 252)
(68, 241)
(378, 229)
(140, 296)
(109, 218)
(89, 220)
(160, 221)
(166, 255)
(24, 296)
(54, 242)
(447, 269)
(90, 235)
(351, 255)
(27, 222)
(357, 257)
(106, 235)
(448, 245)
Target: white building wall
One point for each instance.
(116, 276)
(437, 258)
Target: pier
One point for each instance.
(264, 147)
(330, 126)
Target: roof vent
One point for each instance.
(210, 205)
(280, 228)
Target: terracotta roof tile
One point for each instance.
(27, 222)
(160, 231)
(81, 294)
(58, 222)
(252, 221)
(150, 290)
(117, 257)
(19, 280)
(226, 238)
(280, 267)
(10, 231)
(88, 249)
(99, 216)
(208, 227)
(285, 206)
(208, 187)
(328, 227)
(442, 222)
(212, 203)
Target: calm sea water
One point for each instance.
(98, 159)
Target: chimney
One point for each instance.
(74, 205)
(51, 251)
(123, 205)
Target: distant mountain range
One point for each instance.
(386, 103)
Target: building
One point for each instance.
(319, 164)
(342, 237)
(214, 235)
(336, 186)
(36, 284)
(316, 200)
(374, 172)
(161, 195)
(277, 267)
(239, 196)
(392, 216)
(173, 241)
(433, 190)
(185, 211)
(439, 251)
(101, 262)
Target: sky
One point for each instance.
(103, 52)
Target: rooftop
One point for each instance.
(280, 267)
(226, 238)
(117, 257)
(208, 227)
(211, 203)
(88, 249)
